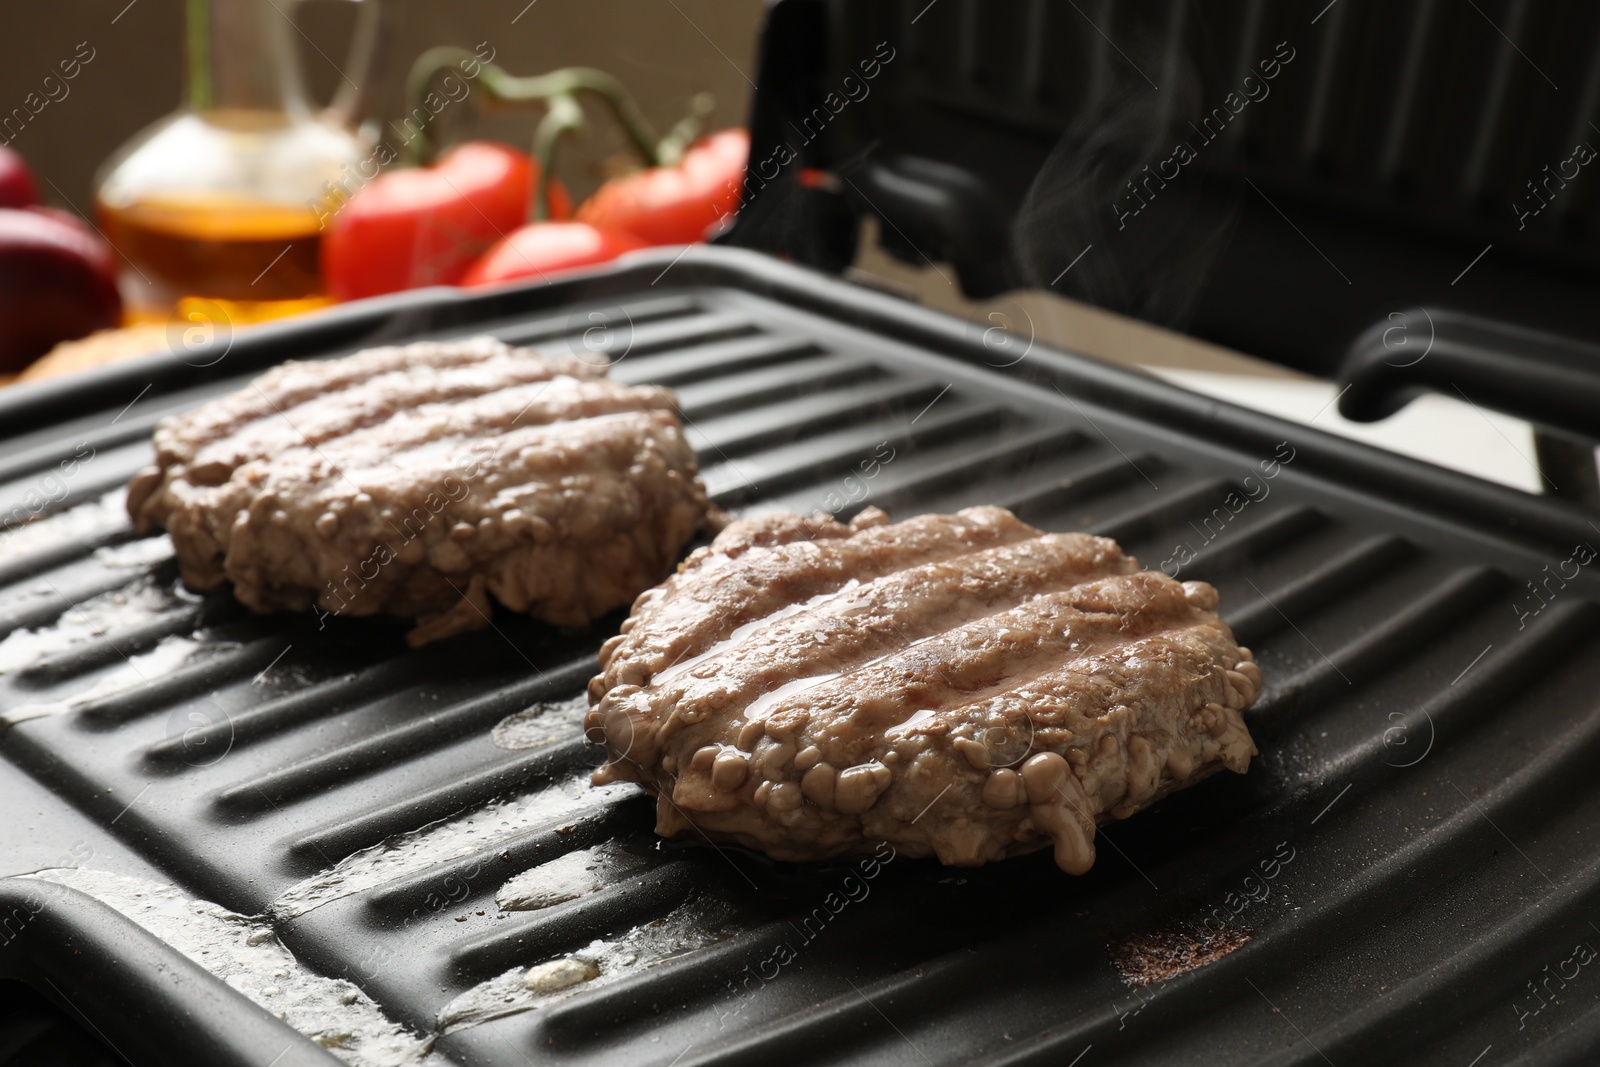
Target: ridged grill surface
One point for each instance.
(1415, 843)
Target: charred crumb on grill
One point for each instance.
(1144, 959)
(425, 480)
(960, 686)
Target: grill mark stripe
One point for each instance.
(380, 405)
(934, 599)
(546, 403)
(1047, 682)
(368, 457)
(284, 390)
(1053, 622)
(810, 568)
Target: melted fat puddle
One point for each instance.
(163, 659)
(568, 877)
(541, 725)
(460, 835)
(100, 517)
(139, 602)
(246, 954)
(686, 928)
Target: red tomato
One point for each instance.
(675, 205)
(545, 247)
(426, 226)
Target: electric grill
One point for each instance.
(1408, 870)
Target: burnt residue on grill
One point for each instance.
(1148, 957)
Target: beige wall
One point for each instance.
(664, 50)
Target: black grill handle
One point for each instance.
(1551, 381)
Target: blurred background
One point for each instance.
(664, 52)
(1226, 286)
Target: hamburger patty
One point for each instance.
(420, 480)
(957, 685)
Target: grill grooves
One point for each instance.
(154, 694)
(1384, 644)
(738, 434)
(351, 743)
(286, 712)
(95, 654)
(1112, 473)
(1342, 575)
(398, 743)
(312, 850)
(520, 853)
(836, 453)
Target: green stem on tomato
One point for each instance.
(498, 85)
(563, 117)
(687, 130)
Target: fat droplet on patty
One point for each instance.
(750, 734)
(819, 784)
(1242, 685)
(729, 769)
(859, 787)
(974, 753)
(609, 649)
(1251, 672)
(1003, 788)
(1058, 808)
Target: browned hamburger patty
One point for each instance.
(957, 685)
(418, 481)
